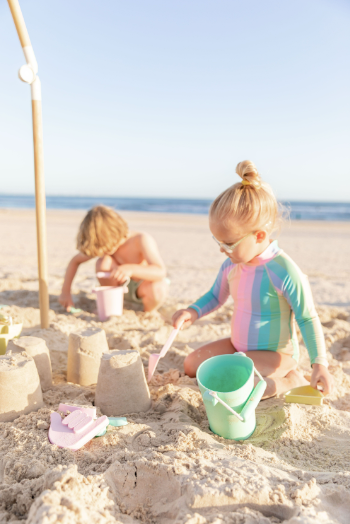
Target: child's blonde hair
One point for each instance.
(101, 231)
(250, 203)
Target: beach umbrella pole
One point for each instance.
(28, 74)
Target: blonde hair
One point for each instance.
(101, 231)
(251, 203)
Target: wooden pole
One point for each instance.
(40, 206)
(28, 73)
(19, 23)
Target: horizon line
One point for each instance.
(162, 198)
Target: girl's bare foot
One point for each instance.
(278, 386)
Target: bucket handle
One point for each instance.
(254, 399)
(217, 399)
(126, 283)
(250, 405)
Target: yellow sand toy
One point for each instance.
(305, 395)
(8, 331)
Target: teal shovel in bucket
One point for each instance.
(230, 399)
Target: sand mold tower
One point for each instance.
(121, 386)
(85, 349)
(20, 390)
(37, 349)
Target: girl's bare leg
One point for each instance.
(194, 359)
(278, 370)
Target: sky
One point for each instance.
(163, 98)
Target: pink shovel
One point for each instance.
(155, 357)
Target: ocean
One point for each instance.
(335, 211)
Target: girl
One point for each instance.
(269, 291)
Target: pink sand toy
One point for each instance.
(110, 299)
(64, 408)
(155, 357)
(75, 430)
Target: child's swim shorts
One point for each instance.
(131, 295)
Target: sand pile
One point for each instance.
(166, 466)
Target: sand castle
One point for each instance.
(37, 349)
(119, 370)
(20, 390)
(85, 349)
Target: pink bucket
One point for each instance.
(110, 300)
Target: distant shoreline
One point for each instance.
(308, 211)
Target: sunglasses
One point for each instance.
(230, 247)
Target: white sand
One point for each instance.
(166, 466)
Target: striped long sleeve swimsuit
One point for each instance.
(269, 294)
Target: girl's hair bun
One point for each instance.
(250, 205)
(249, 173)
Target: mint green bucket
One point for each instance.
(227, 386)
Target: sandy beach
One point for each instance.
(166, 466)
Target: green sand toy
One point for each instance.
(117, 422)
(227, 386)
(74, 310)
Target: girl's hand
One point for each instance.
(120, 274)
(187, 316)
(65, 299)
(321, 374)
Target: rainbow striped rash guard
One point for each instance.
(269, 294)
